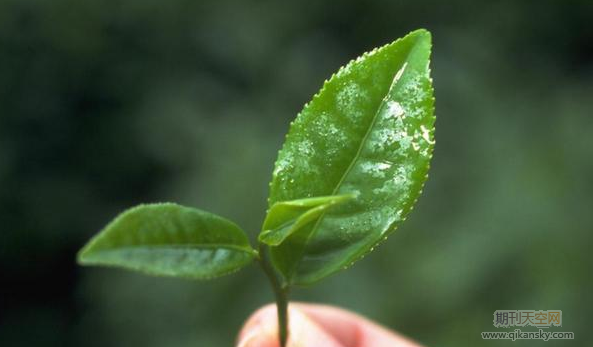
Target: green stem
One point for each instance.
(281, 293)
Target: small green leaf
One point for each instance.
(369, 130)
(287, 217)
(170, 240)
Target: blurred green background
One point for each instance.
(107, 104)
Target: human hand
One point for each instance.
(318, 326)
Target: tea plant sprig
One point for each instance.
(351, 168)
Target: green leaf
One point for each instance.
(287, 217)
(370, 131)
(170, 240)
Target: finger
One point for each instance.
(261, 330)
(352, 330)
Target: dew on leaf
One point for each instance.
(376, 170)
(348, 98)
(426, 134)
(394, 109)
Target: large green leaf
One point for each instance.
(368, 131)
(287, 217)
(170, 240)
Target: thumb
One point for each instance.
(261, 330)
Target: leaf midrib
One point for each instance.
(178, 246)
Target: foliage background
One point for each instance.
(106, 104)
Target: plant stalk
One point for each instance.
(281, 293)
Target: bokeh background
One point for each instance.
(107, 104)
